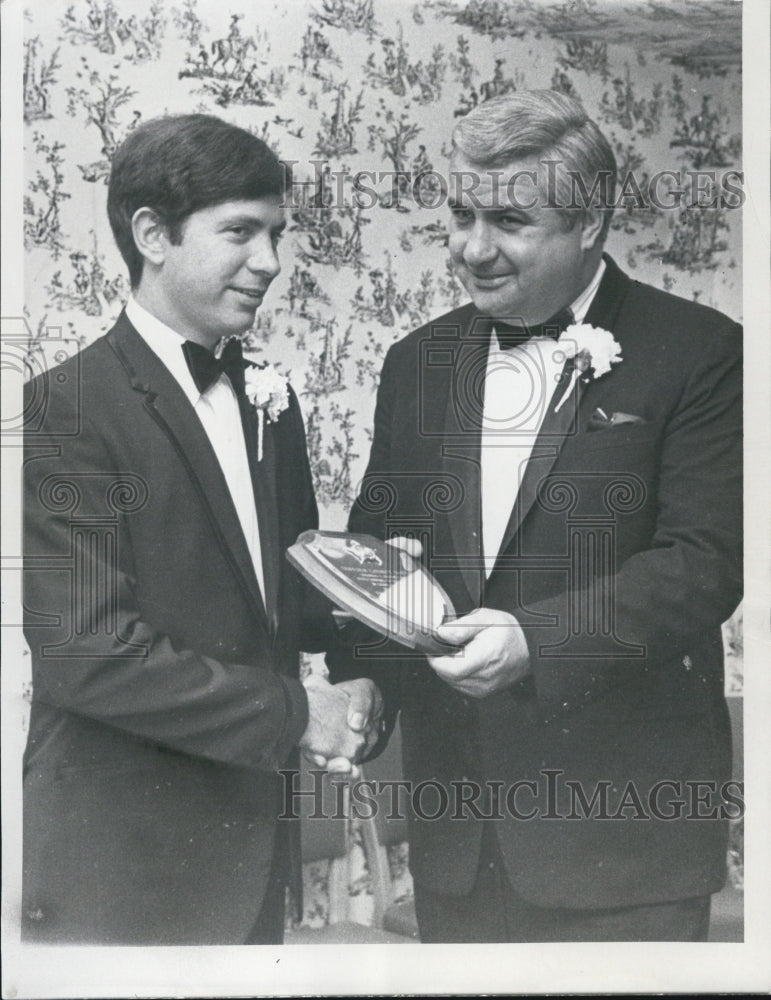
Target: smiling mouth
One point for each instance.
(251, 293)
(490, 280)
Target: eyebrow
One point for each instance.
(244, 219)
(453, 204)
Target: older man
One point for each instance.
(567, 447)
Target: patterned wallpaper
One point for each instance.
(342, 86)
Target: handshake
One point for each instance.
(345, 721)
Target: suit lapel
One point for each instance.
(263, 474)
(461, 449)
(556, 427)
(171, 410)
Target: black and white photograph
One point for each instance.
(484, 283)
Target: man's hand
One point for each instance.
(409, 545)
(363, 706)
(492, 653)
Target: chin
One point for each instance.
(494, 305)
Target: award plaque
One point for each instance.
(381, 585)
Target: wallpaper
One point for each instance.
(340, 87)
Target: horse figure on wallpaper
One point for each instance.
(234, 48)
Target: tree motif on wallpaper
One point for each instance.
(370, 360)
(330, 436)
(109, 32)
(39, 342)
(39, 77)
(350, 15)
(426, 184)
(426, 234)
(495, 18)
(588, 56)
(394, 135)
(233, 68)
(706, 60)
(337, 135)
(570, 18)
(417, 81)
(42, 223)
(383, 302)
(420, 303)
(87, 286)
(328, 235)
(387, 305)
(325, 373)
(634, 210)
(265, 328)
(450, 289)
(101, 100)
(461, 64)
(188, 23)
(332, 465)
(696, 240)
(99, 27)
(304, 289)
(316, 49)
(641, 115)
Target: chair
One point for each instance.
(380, 833)
(328, 837)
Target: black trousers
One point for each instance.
(269, 925)
(493, 912)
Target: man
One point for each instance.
(162, 487)
(580, 502)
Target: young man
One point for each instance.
(163, 619)
(581, 504)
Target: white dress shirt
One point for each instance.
(218, 411)
(519, 384)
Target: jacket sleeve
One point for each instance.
(93, 652)
(669, 596)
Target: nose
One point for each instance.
(263, 257)
(479, 248)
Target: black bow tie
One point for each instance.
(206, 369)
(511, 336)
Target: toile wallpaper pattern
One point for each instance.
(340, 86)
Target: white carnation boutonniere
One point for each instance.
(268, 392)
(594, 351)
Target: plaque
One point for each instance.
(381, 585)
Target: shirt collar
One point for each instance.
(580, 306)
(165, 343)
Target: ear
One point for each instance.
(150, 235)
(591, 227)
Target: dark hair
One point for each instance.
(179, 164)
(551, 126)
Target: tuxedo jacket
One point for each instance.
(621, 558)
(165, 693)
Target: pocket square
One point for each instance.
(600, 420)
